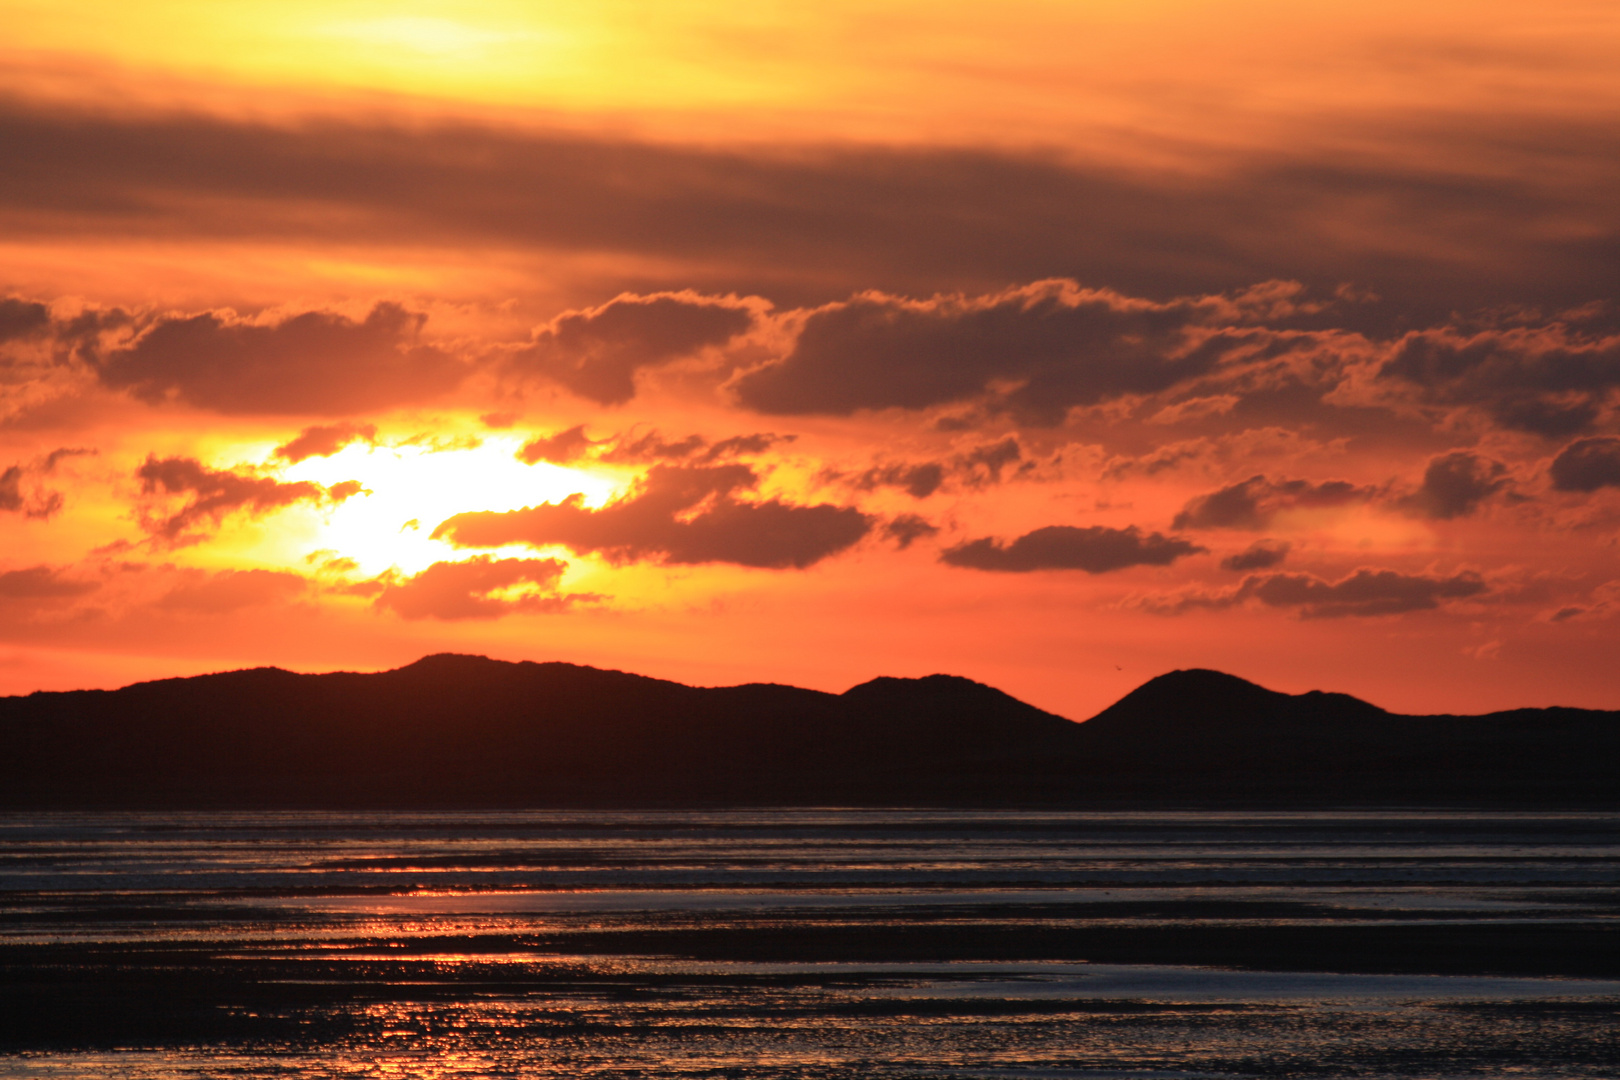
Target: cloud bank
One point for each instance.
(1095, 549)
(678, 515)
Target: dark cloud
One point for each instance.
(11, 496)
(597, 353)
(1587, 464)
(1095, 549)
(82, 331)
(1162, 458)
(22, 489)
(919, 480)
(559, 449)
(1544, 380)
(478, 588)
(35, 501)
(41, 583)
(315, 362)
(62, 453)
(1064, 345)
(742, 446)
(1252, 503)
(1455, 484)
(324, 441)
(651, 447)
(1260, 555)
(678, 514)
(906, 529)
(1604, 603)
(977, 467)
(232, 590)
(991, 459)
(22, 318)
(1553, 416)
(831, 221)
(1365, 592)
(212, 494)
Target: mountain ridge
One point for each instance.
(461, 729)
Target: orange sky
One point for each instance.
(1056, 345)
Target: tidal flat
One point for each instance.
(810, 943)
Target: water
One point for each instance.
(810, 943)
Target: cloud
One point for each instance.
(62, 453)
(1193, 409)
(14, 500)
(1162, 458)
(1063, 346)
(991, 459)
(677, 514)
(1095, 549)
(22, 318)
(1487, 226)
(978, 467)
(1455, 484)
(22, 490)
(906, 529)
(650, 447)
(743, 445)
(313, 362)
(324, 441)
(232, 590)
(559, 449)
(478, 588)
(11, 495)
(1252, 503)
(41, 583)
(1587, 464)
(596, 353)
(1604, 603)
(919, 480)
(1364, 593)
(1219, 453)
(653, 447)
(1260, 555)
(212, 494)
(1545, 380)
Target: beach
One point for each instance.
(807, 943)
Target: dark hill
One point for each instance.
(466, 730)
(1209, 734)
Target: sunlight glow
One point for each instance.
(411, 488)
(431, 36)
(1034, 72)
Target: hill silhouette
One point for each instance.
(1218, 735)
(470, 731)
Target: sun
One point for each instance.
(409, 488)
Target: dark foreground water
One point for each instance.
(810, 944)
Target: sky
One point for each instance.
(1052, 344)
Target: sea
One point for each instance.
(810, 943)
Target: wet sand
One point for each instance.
(810, 944)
